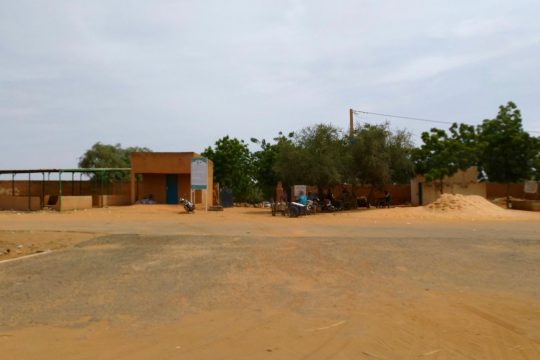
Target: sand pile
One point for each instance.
(464, 203)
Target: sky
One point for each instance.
(178, 75)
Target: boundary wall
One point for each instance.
(69, 188)
(466, 183)
(20, 203)
(496, 190)
(110, 200)
(74, 203)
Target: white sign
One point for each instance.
(297, 189)
(531, 187)
(199, 173)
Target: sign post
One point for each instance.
(530, 187)
(199, 177)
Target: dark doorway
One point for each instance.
(172, 189)
(420, 194)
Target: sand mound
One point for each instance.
(464, 203)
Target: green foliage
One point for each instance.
(263, 167)
(315, 156)
(500, 146)
(370, 158)
(536, 160)
(400, 148)
(443, 154)
(435, 158)
(506, 151)
(464, 141)
(233, 168)
(288, 163)
(109, 156)
(380, 157)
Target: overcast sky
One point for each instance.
(178, 75)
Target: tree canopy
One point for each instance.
(536, 160)
(499, 146)
(109, 156)
(380, 156)
(444, 153)
(315, 155)
(506, 151)
(233, 168)
(263, 166)
(324, 155)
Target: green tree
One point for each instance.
(233, 168)
(370, 158)
(442, 154)
(289, 161)
(400, 148)
(263, 166)
(314, 156)
(110, 156)
(536, 161)
(380, 157)
(506, 151)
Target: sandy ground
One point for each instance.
(146, 282)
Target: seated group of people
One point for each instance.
(329, 198)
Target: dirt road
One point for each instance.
(140, 283)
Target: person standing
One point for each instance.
(387, 199)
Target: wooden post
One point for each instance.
(42, 200)
(133, 189)
(29, 192)
(351, 123)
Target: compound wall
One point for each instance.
(20, 203)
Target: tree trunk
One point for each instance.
(370, 194)
(508, 195)
(441, 184)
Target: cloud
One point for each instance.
(482, 27)
(425, 67)
(176, 75)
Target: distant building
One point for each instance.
(166, 176)
(463, 182)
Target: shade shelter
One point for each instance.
(166, 176)
(36, 199)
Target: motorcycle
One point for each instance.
(188, 205)
(327, 206)
(295, 209)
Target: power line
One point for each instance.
(358, 112)
(402, 117)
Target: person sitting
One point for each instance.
(302, 199)
(330, 195)
(147, 200)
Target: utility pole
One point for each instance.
(351, 123)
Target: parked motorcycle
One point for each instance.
(295, 209)
(327, 206)
(188, 205)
